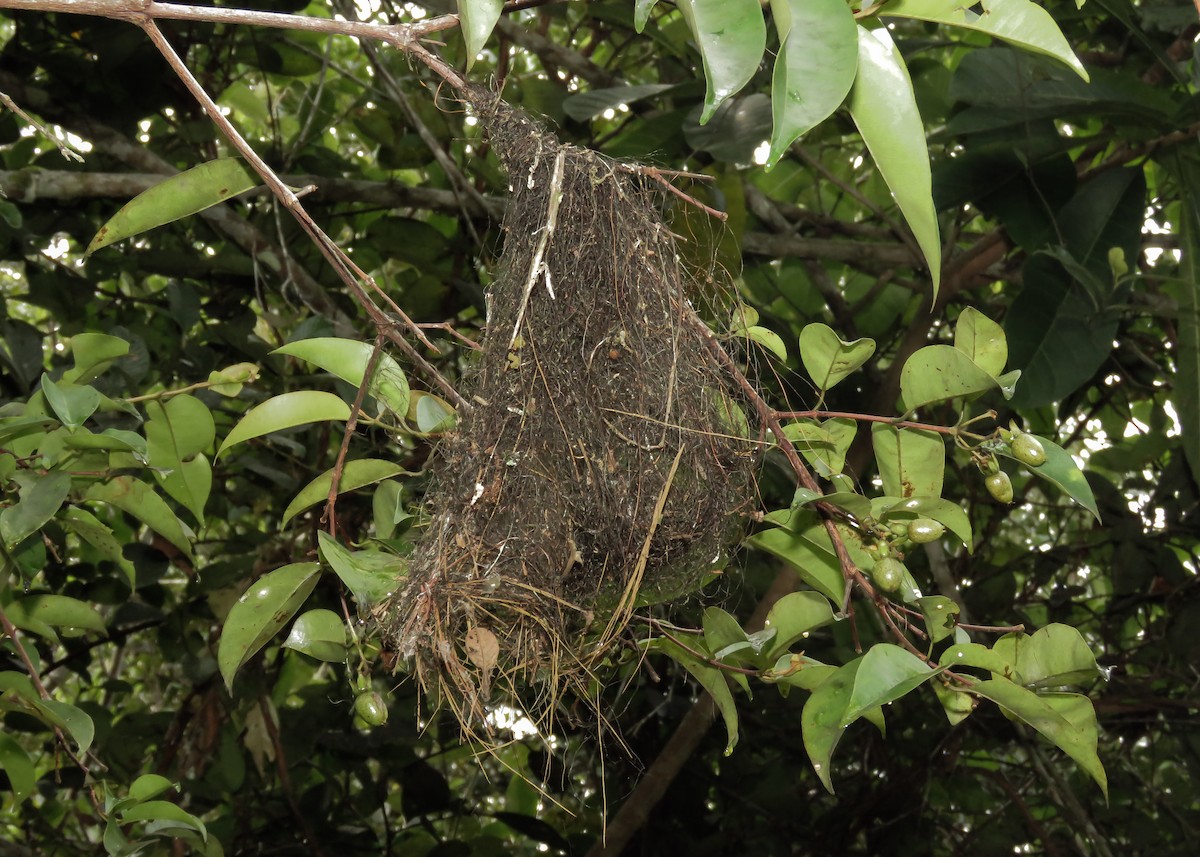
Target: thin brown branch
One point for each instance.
(866, 418)
(339, 465)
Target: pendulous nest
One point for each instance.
(604, 464)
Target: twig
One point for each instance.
(537, 265)
(866, 418)
(339, 465)
(65, 150)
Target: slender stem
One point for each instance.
(866, 418)
(335, 481)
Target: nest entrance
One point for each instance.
(602, 465)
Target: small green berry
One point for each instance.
(1000, 487)
(888, 574)
(925, 530)
(1028, 450)
(371, 708)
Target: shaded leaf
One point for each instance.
(885, 111)
(40, 500)
(320, 634)
(731, 36)
(356, 474)
(85, 525)
(814, 69)
(348, 359)
(138, 499)
(57, 611)
(180, 196)
(946, 512)
(710, 678)
(477, 18)
(794, 616)
(93, 353)
(886, 673)
(827, 358)
(71, 403)
(1053, 656)
(369, 575)
(912, 463)
(286, 411)
(22, 776)
(261, 612)
(1060, 469)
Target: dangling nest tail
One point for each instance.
(603, 465)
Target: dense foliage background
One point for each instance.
(1069, 211)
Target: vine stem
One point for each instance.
(339, 466)
(866, 418)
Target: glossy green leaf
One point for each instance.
(348, 359)
(1053, 656)
(57, 611)
(768, 339)
(885, 111)
(320, 634)
(180, 196)
(936, 373)
(22, 776)
(138, 499)
(93, 353)
(261, 612)
(1061, 470)
(814, 69)
(477, 18)
(941, 616)
(40, 500)
(975, 655)
(795, 616)
(732, 36)
(981, 339)
(149, 786)
(229, 381)
(387, 508)
(827, 358)
(1019, 22)
(115, 439)
(74, 721)
(286, 411)
(641, 13)
(816, 566)
(433, 415)
(71, 403)
(356, 474)
(89, 528)
(726, 641)
(824, 445)
(710, 678)
(177, 432)
(822, 720)
(886, 673)
(945, 512)
(162, 810)
(912, 462)
(1069, 721)
(13, 428)
(370, 575)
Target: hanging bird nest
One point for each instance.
(604, 464)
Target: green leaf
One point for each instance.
(1060, 469)
(795, 616)
(22, 776)
(710, 678)
(912, 462)
(732, 36)
(71, 403)
(40, 500)
(370, 576)
(387, 508)
(85, 525)
(286, 411)
(348, 359)
(823, 445)
(229, 381)
(803, 551)
(827, 358)
(583, 106)
(981, 339)
(1054, 656)
(177, 432)
(946, 512)
(821, 721)
(726, 641)
(118, 439)
(261, 612)
(433, 415)
(641, 13)
(886, 673)
(1017, 21)
(768, 339)
(1067, 720)
(70, 719)
(320, 634)
(975, 655)
(162, 810)
(138, 499)
(356, 474)
(477, 18)
(814, 69)
(180, 196)
(884, 108)
(936, 373)
(57, 611)
(941, 616)
(149, 786)
(93, 353)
